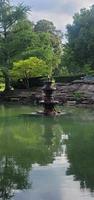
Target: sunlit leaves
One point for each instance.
(31, 67)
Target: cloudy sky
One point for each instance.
(60, 12)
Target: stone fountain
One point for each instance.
(48, 102)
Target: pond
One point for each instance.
(46, 158)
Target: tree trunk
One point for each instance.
(26, 82)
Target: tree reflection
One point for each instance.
(11, 177)
(80, 152)
(22, 143)
(52, 141)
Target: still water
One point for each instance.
(46, 158)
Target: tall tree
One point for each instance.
(80, 47)
(9, 16)
(46, 44)
(49, 43)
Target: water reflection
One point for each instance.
(24, 142)
(80, 153)
(12, 177)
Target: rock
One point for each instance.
(64, 93)
(71, 103)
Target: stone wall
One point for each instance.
(76, 93)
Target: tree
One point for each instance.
(31, 67)
(68, 61)
(9, 16)
(80, 46)
(53, 47)
(42, 48)
(20, 38)
(39, 47)
(45, 26)
(44, 43)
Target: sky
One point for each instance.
(60, 12)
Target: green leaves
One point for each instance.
(10, 35)
(20, 39)
(78, 52)
(45, 26)
(31, 67)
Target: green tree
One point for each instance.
(9, 16)
(31, 67)
(39, 47)
(45, 26)
(80, 46)
(68, 61)
(46, 44)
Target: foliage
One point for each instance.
(2, 86)
(40, 47)
(44, 26)
(46, 44)
(10, 41)
(78, 96)
(31, 67)
(78, 52)
(68, 62)
(21, 39)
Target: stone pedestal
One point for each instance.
(48, 102)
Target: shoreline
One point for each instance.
(81, 94)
